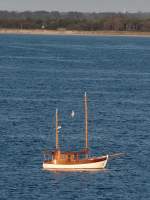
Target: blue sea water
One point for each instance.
(40, 73)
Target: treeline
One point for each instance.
(75, 21)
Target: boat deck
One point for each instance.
(79, 161)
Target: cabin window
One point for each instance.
(63, 156)
(82, 156)
(69, 157)
(75, 157)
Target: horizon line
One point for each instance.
(126, 11)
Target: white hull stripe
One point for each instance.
(94, 165)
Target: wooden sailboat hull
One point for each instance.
(91, 163)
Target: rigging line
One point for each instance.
(61, 135)
(92, 129)
(50, 131)
(45, 152)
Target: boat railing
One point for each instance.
(47, 154)
(69, 155)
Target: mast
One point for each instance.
(57, 145)
(86, 120)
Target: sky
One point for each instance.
(77, 5)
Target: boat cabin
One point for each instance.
(59, 156)
(69, 156)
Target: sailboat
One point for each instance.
(73, 160)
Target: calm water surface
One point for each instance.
(40, 73)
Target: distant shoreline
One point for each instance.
(74, 32)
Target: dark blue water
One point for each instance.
(40, 73)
